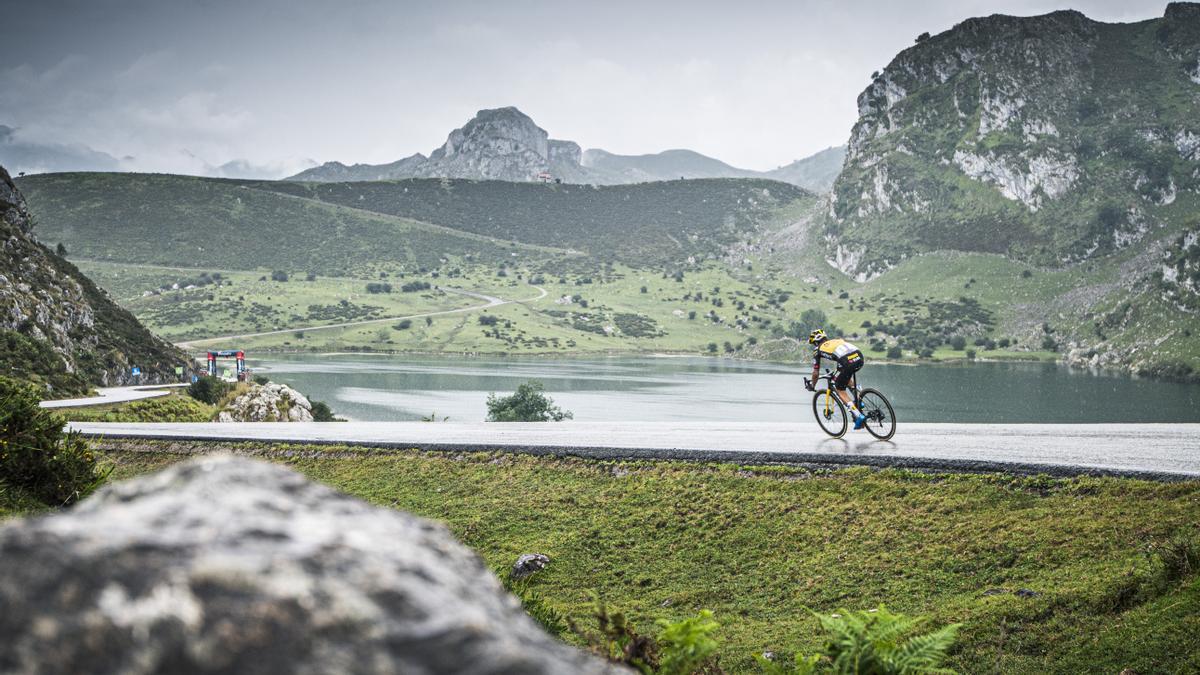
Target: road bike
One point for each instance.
(833, 418)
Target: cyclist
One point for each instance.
(849, 360)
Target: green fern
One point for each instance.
(685, 645)
(872, 642)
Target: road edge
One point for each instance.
(737, 457)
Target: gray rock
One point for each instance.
(233, 565)
(268, 403)
(529, 564)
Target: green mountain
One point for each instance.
(1050, 139)
(344, 228)
(56, 327)
(227, 224)
(661, 223)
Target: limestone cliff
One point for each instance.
(1051, 139)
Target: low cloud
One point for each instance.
(19, 156)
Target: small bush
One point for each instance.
(894, 352)
(971, 354)
(404, 324)
(262, 379)
(488, 320)
(321, 412)
(376, 288)
(209, 389)
(958, 343)
(37, 458)
(279, 275)
(527, 404)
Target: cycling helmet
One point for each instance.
(817, 337)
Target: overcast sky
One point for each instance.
(188, 85)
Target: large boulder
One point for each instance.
(268, 403)
(233, 565)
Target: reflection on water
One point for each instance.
(679, 389)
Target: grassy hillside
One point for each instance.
(221, 224)
(647, 224)
(1048, 575)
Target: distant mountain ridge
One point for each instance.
(506, 144)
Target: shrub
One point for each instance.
(208, 389)
(894, 352)
(415, 287)
(279, 275)
(527, 404)
(376, 288)
(712, 348)
(971, 354)
(873, 642)
(488, 320)
(958, 343)
(261, 379)
(321, 412)
(37, 458)
(404, 324)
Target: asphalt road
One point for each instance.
(114, 395)
(1160, 451)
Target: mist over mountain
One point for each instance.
(32, 157)
(506, 144)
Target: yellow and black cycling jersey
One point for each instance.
(837, 349)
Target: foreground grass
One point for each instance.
(760, 545)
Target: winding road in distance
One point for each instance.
(491, 301)
(1155, 451)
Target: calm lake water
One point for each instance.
(393, 388)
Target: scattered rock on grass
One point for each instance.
(529, 564)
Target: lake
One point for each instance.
(392, 388)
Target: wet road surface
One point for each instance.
(1164, 451)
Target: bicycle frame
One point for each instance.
(830, 390)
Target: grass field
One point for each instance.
(760, 546)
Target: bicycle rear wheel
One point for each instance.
(881, 419)
(830, 413)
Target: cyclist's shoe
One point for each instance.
(860, 421)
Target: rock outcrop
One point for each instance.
(1048, 138)
(232, 565)
(268, 403)
(58, 328)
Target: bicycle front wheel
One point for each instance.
(881, 419)
(830, 413)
